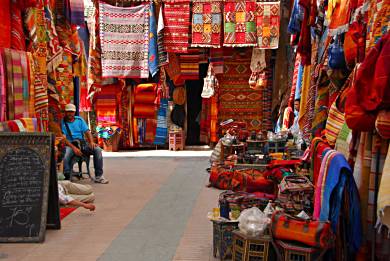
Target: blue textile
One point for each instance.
(78, 127)
(153, 49)
(299, 82)
(339, 179)
(294, 25)
(162, 125)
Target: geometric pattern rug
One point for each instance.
(236, 100)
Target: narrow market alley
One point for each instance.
(155, 208)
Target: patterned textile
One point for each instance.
(343, 141)
(303, 110)
(239, 23)
(321, 105)
(338, 16)
(106, 104)
(177, 25)
(214, 119)
(75, 11)
(10, 87)
(162, 127)
(267, 24)
(206, 23)
(153, 50)
(236, 99)
(173, 69)
(267, 103)
(124, 35)
(162, 52)
(378, 24)
(5, 25)
(144, 101)
(189, 65)
(205, 121)
(17, 35)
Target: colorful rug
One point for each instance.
(106, 104)
(239, 23)
(206, 23)
(189, 65)
(153, 48)
(177, 25)
(236, 99)
(267, 24)
(162, 51)
(124, 35)
(64, 212)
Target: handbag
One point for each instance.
(336, 55)
(334, 123)
(295, 193)
(209, 85)
(312, 233)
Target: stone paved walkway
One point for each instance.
(154, 208)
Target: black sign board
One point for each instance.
(25, 166)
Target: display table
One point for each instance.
(247, 248)
(223, 238)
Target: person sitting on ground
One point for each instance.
(74, 194)
(75, 128)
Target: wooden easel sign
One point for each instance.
(25, 163)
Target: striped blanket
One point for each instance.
(124, 34)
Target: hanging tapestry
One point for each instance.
(17, 35)
(239, 23)
(206, 23)
(3, 93)
(236, 99)
(267, 102)
(153, 50)
(216, 60)
(106, 104)
(124, 35)
(176, 25)
(189, 65)
(5, 25)
(162, 125)
(267, 24)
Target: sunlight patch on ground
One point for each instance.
(158, 153)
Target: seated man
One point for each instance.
(74, 194)
(74, 128)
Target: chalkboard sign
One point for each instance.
(24, 184)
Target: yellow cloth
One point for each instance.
(384, 194)
(304, 96)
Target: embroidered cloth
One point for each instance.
(177, 26)
(267, 24)
(239, 23)
(206, 23)
(124, 35)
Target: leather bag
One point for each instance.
(295, 193)
(312, 233)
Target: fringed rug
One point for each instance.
(268, 23)
(206, 23)
(189, 65)
(124, 34)
(176, 25)
(236, 100)
(239, 23)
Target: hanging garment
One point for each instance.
(124, 58)
(162, 125)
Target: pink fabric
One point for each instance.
(318, 189)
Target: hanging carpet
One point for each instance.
(176, 25)
(206, 23)
(124, 34)
(162, 125)
(106, 104)
(267, 24)
(239, 23)
(236, 100)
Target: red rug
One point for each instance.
(236, 100)
(64, 212)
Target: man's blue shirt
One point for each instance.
(78, 127)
